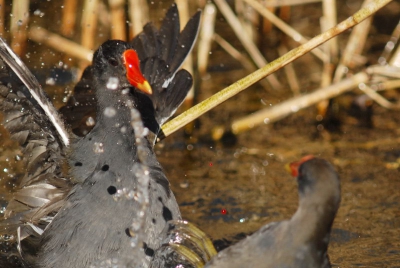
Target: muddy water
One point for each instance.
(231, 188)
(249, 181)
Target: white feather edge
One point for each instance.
(168, 80)
(21, 236)
(33, 86)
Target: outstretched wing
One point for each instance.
(34, 123)
(162, 53)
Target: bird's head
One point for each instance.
(118, 66)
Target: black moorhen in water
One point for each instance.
(161, 53)
(301, 241)
(77, 201)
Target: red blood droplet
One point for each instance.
(224, 211)
(210, 164)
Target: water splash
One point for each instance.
(112, 83)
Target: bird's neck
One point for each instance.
(112, 102)
(313, 220)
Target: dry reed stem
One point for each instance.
(326, 22)
(395, 60)
(59, 43)
(390, 84)
(89, 27)
(266, 24)
(250, 47)
(183, 7)
(390, 45)
(279, 3)
(184, 14)
(2, 26)
(377, 97)
(290, 73)
(252, 78)
(284, 27)
(138, 16)
(103, 15)
(326, 80)
(206, 37)
(384, 77)
(246, 16)
(237, 55)
(387, 71)
(354, 46)
(231, 50)
(68, 18)
(293, 105)
(118, 29)
(285, 13)
(19, 24)
(330, 20)
(89, 23)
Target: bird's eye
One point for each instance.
(113, 62)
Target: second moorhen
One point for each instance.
(302, 241)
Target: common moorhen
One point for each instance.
(301, 241)
(78, 202)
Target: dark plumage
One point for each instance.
(301, 241)
(161, 53)
(80, 184)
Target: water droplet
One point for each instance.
(145, 132)
(138, 197)
(297, 37)
(39, 13)
(184, 184)
(112, 83)
(98, 147)
(294, 108)
(50, 81)
(110, 112)
(382, 61)
(18, 157)
(19, 22)
(6, 237)
(130, 195)
(136, 226)
(134, 240)
(90, 121)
